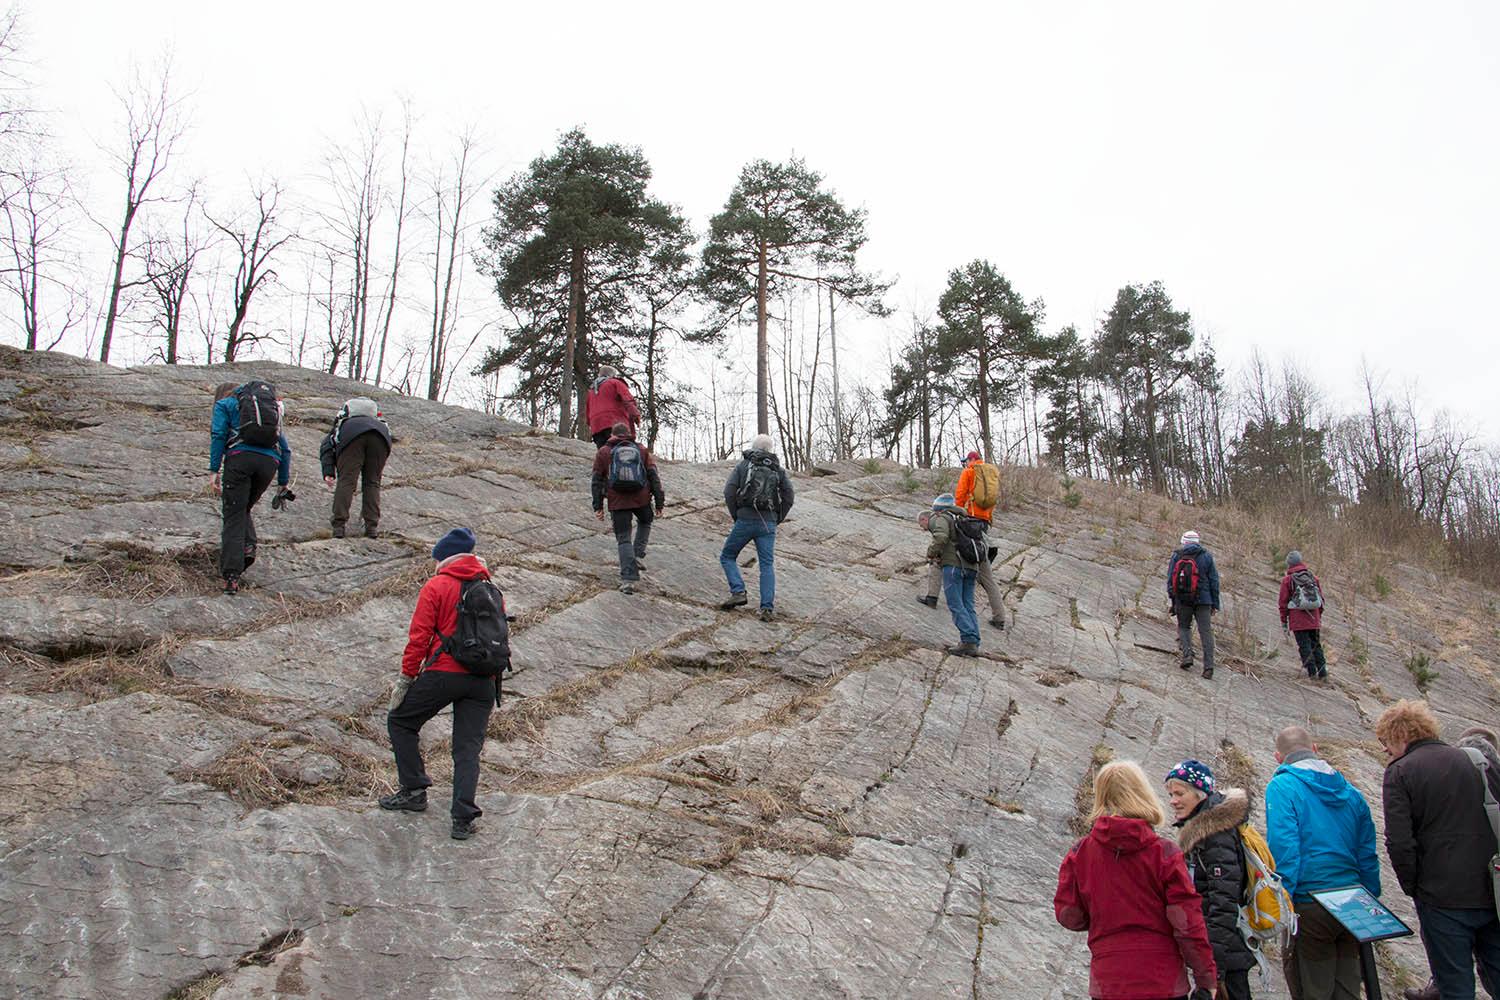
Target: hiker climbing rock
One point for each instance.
(977, 492)
(353, 453)
(759, 496)
(1301, 606)
(1209, 821)
(607, 403)
(1441, 831)
(625, 474)
(1130, 890)
(1322, 837)
(246, 439)
(960, 550)
(1193, 587)
(457, 647)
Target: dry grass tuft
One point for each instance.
(1236, 769)
(253, 773)
(201, 988)
(1083, 795)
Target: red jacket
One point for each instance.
(602, 491)
(609, 402)
(1298, 620)
(1131, 891)
(437, 610)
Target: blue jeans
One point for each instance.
(761, 529)
(1455, 940)
(958, 590)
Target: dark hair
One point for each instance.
(223, 389)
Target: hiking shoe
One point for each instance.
(409, 799)
(998, 623)
(1323, 674)
(231, 585)
(1186, 666)
(372, 532)
(962, 649)
(640, 563)
(736, 600)
(931, 602)
(1428, 992)
(626, 587)
(1208, 673)
(766, 614)
(463, 829)
(338, 532)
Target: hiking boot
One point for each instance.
(736, 600)
(1188, 665)
(1208, 673)
(626, 587)
(962, 649)
(766, 614)
(1428, 992)
(231, 585)
(640, 563)
(372, 532)
(338, 532)
(1322, 673)
(463, 829)
(408, 799)
(931, 602)
(998, 623)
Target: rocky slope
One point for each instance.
(680, 802)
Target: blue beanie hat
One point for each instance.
(946, 500)
(1195, 773)
(455, 542)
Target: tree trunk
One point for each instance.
(762, 349)
(1153, 446)
(575, 304)
(651, 417)
(114, 288)
(838, 402)
(984, 394)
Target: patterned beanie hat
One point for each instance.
(1194, 773)
(1190, 538)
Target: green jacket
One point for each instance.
(942, 527)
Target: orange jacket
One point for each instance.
(963, 494)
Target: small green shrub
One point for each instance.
(871, 466)
(1071, 497)
(1382, 586)
(909, 481)
(1419, 665)
(1359, 650)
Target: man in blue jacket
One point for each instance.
(1193, 588)
(247, 472)
(1319, 829)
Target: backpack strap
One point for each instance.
(1491, 808)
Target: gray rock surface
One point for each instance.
(679, 801)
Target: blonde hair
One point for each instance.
(1122, 789)
(1406, 722)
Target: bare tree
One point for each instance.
(354, 178)
(169, 256)
(450, 198)
(35, 220)
(401, 212)
(154, 123)
(254, 242)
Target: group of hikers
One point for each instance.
(1156, 913)
(1191, 918)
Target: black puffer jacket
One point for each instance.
(1210, 841)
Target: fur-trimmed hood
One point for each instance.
(1214, 818)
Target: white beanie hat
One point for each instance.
(1190, 538)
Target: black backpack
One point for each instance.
(1185, 579)
(761, 488)
(1306, 595)
(260, 415)
(627, 468)
(481, 639)
(970, 539)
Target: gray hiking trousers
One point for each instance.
(986, 580)
(1205, 616)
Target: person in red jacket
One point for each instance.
(1130, 889)
(431, 680)
(1302, 621)
(607, 403)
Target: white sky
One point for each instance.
(1320, 180)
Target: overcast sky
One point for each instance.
(1320, 180)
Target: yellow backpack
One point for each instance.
(1266, 912)
(986, 486)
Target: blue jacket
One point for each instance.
(224, 439)
(1208, 574)
(1319, 830)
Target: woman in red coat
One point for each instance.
(1131, 891)
(1301, 606)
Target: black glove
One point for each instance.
(283, 496)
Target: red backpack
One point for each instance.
(1185, 580)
